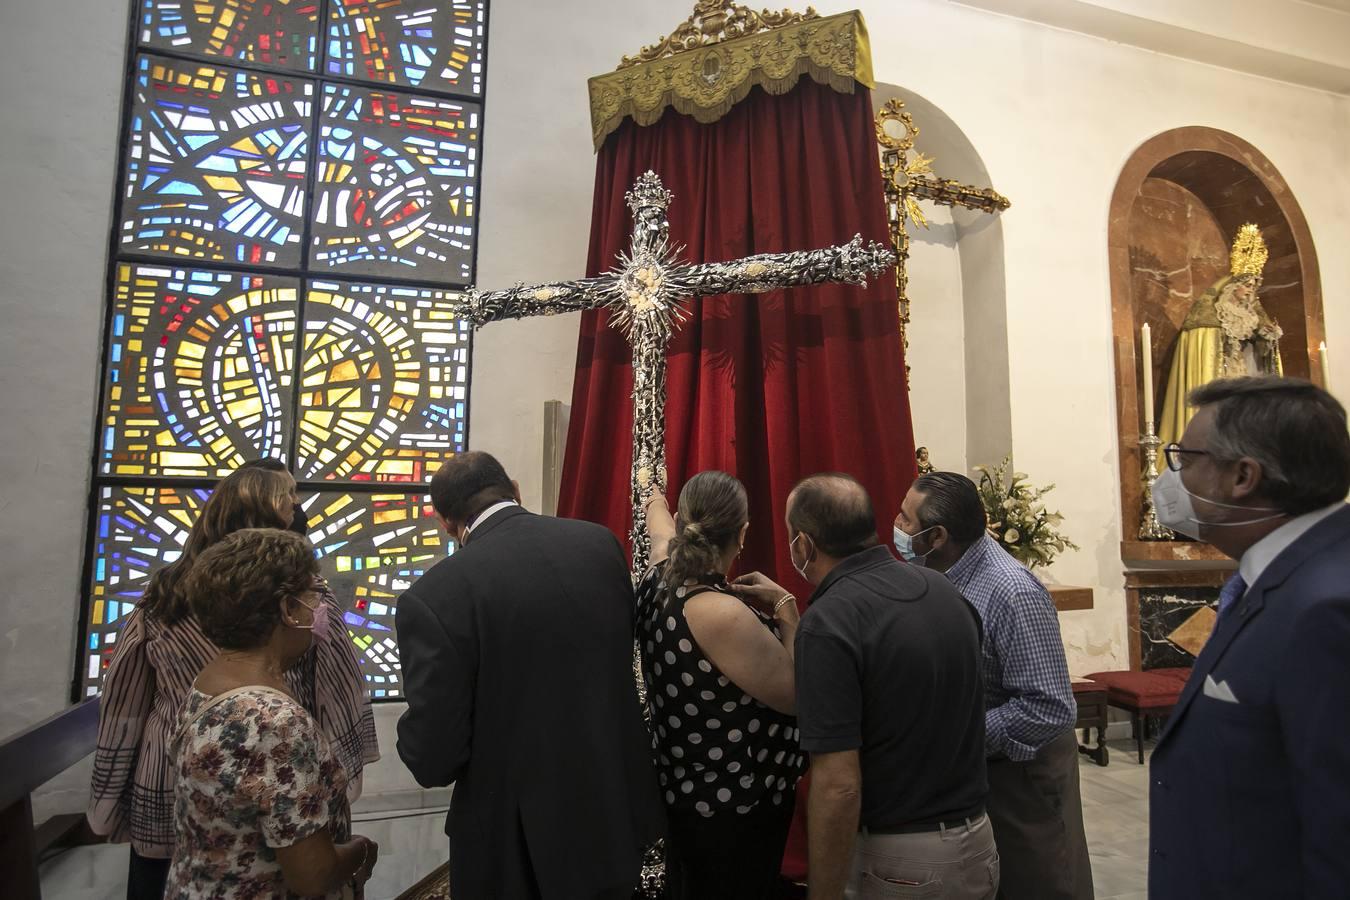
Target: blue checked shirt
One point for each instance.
(1027, 697)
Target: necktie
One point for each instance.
(1232, 592)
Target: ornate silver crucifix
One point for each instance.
(645, 294)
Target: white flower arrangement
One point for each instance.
(1018, 520)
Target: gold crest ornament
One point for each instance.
(1249, 252)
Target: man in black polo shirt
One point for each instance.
(890, 704)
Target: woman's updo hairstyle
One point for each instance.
(712, 511)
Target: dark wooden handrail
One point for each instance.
(29, 760)
(38, 754)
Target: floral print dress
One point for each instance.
(254, 773)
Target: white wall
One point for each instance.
(61, 67)
(1053, 115)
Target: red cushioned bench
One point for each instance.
(1146, 696)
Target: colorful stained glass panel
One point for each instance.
(137, 530)
(371, 548)
(396, 186)
(199, 371)
(282, 33)
(384, 387)
(216, 164)
(438, 46)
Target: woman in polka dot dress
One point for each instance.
(720, 682)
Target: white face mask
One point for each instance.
(801, 570)
(1177, 511)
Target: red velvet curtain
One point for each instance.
(772, 387)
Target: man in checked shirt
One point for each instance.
(1034, 801)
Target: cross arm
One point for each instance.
(549, 299)
(954, 193)
(851, 263)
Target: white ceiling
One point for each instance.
(1304, 42)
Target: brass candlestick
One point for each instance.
(1150, 529)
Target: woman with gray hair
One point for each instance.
(260, 798)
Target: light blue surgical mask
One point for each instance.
(904, 545)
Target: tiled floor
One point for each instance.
(1115, 813)
(1115, 816)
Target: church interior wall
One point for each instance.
(1053, 115)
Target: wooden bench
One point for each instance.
(29, 760)
(1091, 697)
(1146, 696)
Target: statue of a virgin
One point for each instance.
(1227, 333)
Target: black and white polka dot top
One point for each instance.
(717, 748)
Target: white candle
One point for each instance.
(1326, 372)
(1146, 342)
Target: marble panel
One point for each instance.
(1161, 612)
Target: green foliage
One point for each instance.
(1017, 518)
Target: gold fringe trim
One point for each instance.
(708, 82)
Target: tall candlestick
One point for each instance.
(1146, 341)
(1326, 372)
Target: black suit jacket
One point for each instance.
(518, 669)
(1252, 799)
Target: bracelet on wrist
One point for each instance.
(783, 601)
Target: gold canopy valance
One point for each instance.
(710, 63)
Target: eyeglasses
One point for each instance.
(1175, 453)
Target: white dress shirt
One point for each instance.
(1260, 555)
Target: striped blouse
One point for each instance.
(146, 683)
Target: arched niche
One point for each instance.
(1179, 201)
(958, 293)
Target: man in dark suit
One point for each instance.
(517, 666)
(1250, 791)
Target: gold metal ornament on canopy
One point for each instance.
(712, 60)
(907, 181)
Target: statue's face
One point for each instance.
(1245, 291)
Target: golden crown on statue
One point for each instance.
(1249, 251)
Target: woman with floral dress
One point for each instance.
(162, 648)
(260, 802)
(719, 677)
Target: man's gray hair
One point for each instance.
(1295, 430)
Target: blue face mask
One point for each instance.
(904, 545)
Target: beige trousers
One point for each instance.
(959, 863)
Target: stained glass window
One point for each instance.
(136, 531)
(217, 163)
(371, 548)
(434, 46)
(296, 220)
(283, 33)
(395, 193)
(198, 370)
(384, 384)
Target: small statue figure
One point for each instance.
(921, 455)
(1226, 334)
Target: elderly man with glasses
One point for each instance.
(1250, 782)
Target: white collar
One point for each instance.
(487, 514)
(1260, 555)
